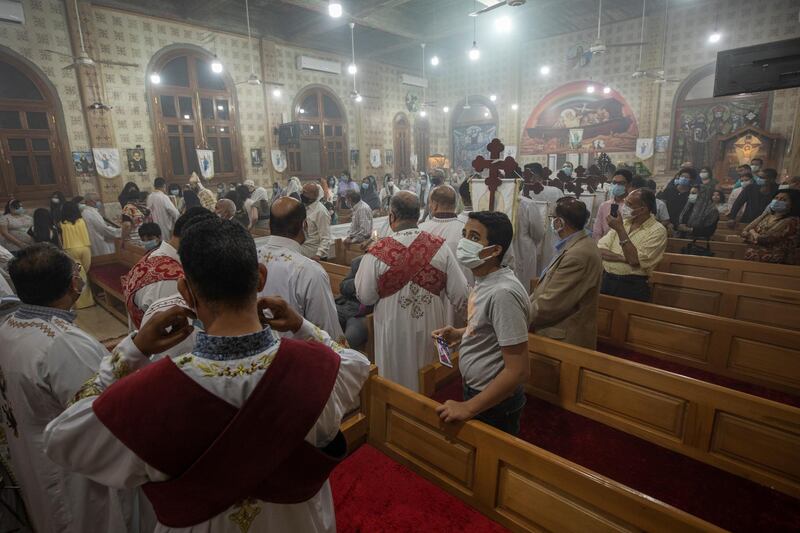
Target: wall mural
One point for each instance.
(569, 119)
(699, 125)
(470, 141)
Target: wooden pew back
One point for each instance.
(751, 303)
(513, 482)
(754, 353)
(722, 249)
(750, 272)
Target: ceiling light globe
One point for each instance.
(606, 90)
(474, 53)
(544, 70)
(335, 9)
(446, 109)
(276, 93)
(590, 89)
(359, 98)
(435, 61)
(155, 78)
(423, 113)
(352, 68)
(493, 97)
(216, 67)
(715, 37)
(514, 107)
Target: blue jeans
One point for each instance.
(505, 415)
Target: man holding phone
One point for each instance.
(620, 187)
(494, 359)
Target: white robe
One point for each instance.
(302, 282)
(318, 236)
(404, 321)
(78, 440)
(45, 362)
(549, 194)
(101, 234)
(148, 294)
(164, 213)
(528, 237)
(451, 230)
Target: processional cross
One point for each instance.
(495, 165)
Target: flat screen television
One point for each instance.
(763, 67)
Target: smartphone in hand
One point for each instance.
(444, 352)
(615, 210)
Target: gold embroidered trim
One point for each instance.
(119, 367)
(246, 513)
(88, 390)
(213, 369)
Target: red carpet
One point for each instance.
(373, 493)
(718, 497)
(702, 375)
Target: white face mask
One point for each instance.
(553, 226)
(467, 253)
(692, 198)
(627, 212)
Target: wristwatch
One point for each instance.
(623, 243)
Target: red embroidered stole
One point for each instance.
(217, 455)
(410, 264)
(149, 269)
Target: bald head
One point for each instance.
(404, 210)
(286, 218)
(442, 200)
(225, 209)
(311, 191)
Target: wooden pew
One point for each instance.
(751, 437)
(749, 352)
(104, 279)
(345, 254)
(751, 303)
(511, 481)
(336, 273)
(750, 272)
(726, 250)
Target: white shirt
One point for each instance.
(79, 441)
(101, 235)
(404, 321)
(662, 214)
(528, 239)
(301, 281)
(46, 362)
(549, 194)
(318, 237)
(148, 294)
(164, 213)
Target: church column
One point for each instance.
(268, 71)
(99, 123)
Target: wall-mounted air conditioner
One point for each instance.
(11, 11)
(414, 81)
(318, 65)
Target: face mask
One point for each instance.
(618, 189)
(55, 201)
(98, 205)
(553, 226)
(704, 175)
(221, 190)
(306, 200)
(567, 171)
(692, 198)
(81, 207)
(745, 183)
(364, 186)
(626, 211)
(755, 168)
(779, 207)
(19, 211)
(467, 253)
(759, 181)
(683, 181)
(150, 245)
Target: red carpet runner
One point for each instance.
(714, 495)
(374, 494)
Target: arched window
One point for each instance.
(700, 120)
(194, 107)
(422, 142)
(474, 126)
(322, 148)
(401, 133)
(32, 163)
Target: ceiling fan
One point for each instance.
(657, 75)
(491, 5)
(425, 103)
(83, 59)
(253, 78)
(599, 46)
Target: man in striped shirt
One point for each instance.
(361, 219)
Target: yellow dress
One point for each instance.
(77, 244)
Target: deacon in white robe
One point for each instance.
(162, 209)
(317, 244)
(528, 239)
(446, 224)
(300, 281)
(409, 301)
(101, 234)
(46, 360)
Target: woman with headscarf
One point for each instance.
(57, 201)
(134, 213)
(699, 216)
(773, 236)
(369, 192)
(44, 230)
(676, 193)
(294, 188)
(79, 247)
(14, 226)
(718, 199)
(389, 189)
(707, 179)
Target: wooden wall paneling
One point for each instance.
(515, 483)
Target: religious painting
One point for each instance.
(107, 162)
(279, 162)
(644, 148)
(388, 157)
(83, 162)
(205, 158)
(699, 125)
(375, 157)
(741, 147)
(569, 119)
(470, 141)
(136, 160)
(662, 142)
(256, 157)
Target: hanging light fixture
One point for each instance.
(216, 66)
(514, 107)
(474, 54)
(544, 70)
(445, 109)
(155, 78)
(590, 89)
(355, 94)
(435, 61)
(335, 8)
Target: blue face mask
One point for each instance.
(684, 182)
(567, 171)
(778, 207)
(365, 186)
(618, 190)
(98, 205)
(151, 245)
(759, 181)
(19, 211)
